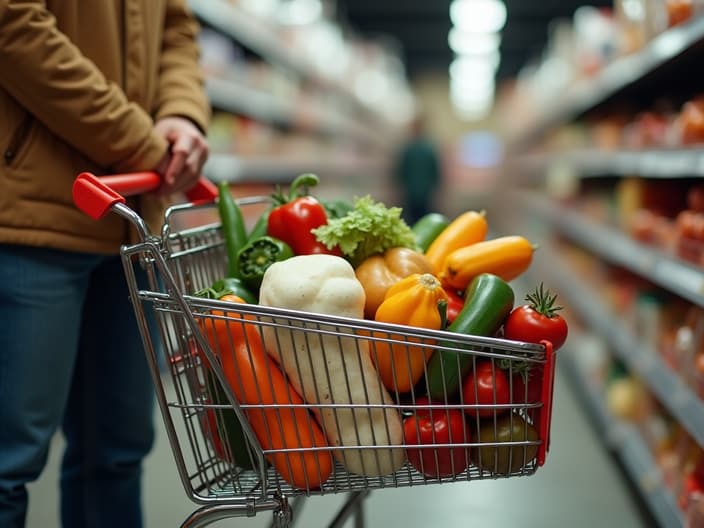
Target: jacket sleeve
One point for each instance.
(64, 90)
(181, 91)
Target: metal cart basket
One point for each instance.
(244, 441)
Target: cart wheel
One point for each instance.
(283, 515)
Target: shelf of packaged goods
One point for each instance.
(263, 39)
(647, 163)
(237, 98)
(614, 79)
(283, 170)
(640, 357)
(628, 445)
(674, 275)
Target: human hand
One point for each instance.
(188, 150)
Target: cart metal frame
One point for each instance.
(187, 257)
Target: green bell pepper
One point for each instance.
(257, 255)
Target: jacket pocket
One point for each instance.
(18, 140)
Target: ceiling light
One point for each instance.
(468, 43)
(478, 16)
(467, 66)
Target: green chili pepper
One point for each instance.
(259, 228)
(228, 285)
(233, 226)
(260, 253)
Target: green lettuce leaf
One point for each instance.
(369, 228)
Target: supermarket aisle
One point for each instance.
(578, 487)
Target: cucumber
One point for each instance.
(488, 301)
(428, 227)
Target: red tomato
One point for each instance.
(455, 302)
(437, 427)
(537, 321)
(486, 385)
(533, 393)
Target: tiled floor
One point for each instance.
(577, 488)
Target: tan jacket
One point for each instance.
(81, 82)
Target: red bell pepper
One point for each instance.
(295, 215)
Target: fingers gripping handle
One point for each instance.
(95, 196)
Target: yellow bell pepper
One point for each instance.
(413, 301)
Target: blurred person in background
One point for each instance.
(418, 172)
(105, 87)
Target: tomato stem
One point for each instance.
(543, 301)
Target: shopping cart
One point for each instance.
(238, 451)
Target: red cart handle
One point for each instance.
(95, 196)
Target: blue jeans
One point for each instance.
(71, 357)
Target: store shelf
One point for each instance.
(283, 170)
(233, 21)
(628, 445)
(617, 78)
(674, 275)
(231, 96)
(640, 357)
(263, 39)
(650, 163)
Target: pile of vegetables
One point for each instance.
(361, 260)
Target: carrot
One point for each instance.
(256, 380)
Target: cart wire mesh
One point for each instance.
(235, 443)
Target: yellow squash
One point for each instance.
(413, 301)
(507, 257)
(468, 228)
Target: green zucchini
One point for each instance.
(428, 227)
(488, 301)
(229, 425)
(233, 226)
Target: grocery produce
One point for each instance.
(538, 320)
(257, 255)
(488, 301)
(507, 257)
(369, 228)
(246, 365)
(528, 389)
(233, 226)
(418, 301)
(260, 226)
(330, 368)
(488, 385)
(466, 229)
(227, 286)
(431, 427)
(427, 228)
(455, 302)
(295, 216)
(504, 460)
(223, 422)
(377, 273)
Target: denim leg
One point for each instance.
(41, 298)
(109, 419)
